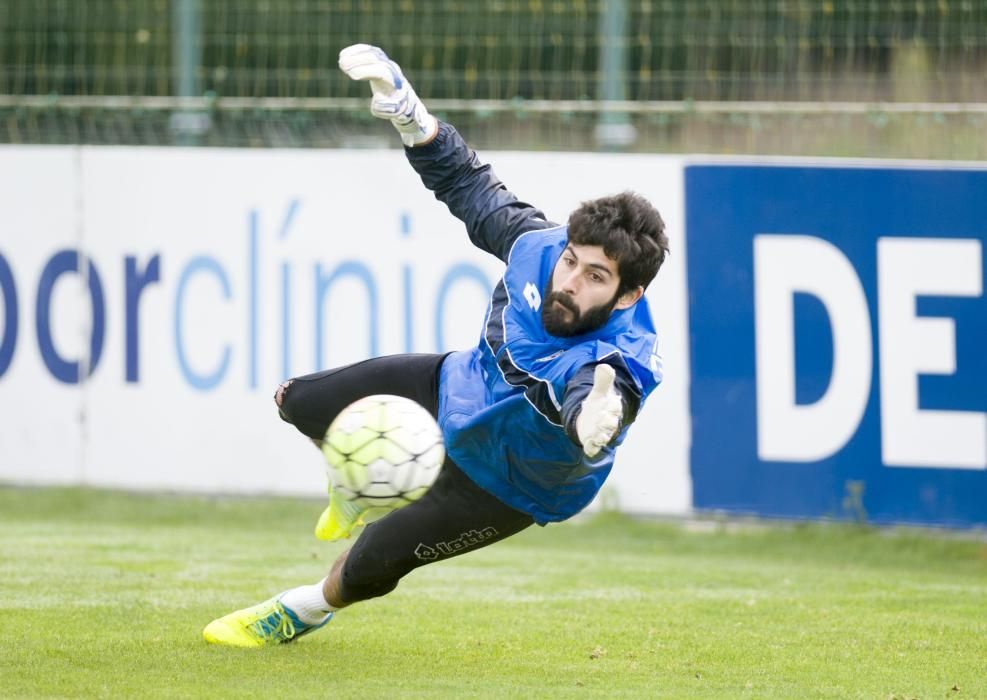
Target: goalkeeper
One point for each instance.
(531, 417)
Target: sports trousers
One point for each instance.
(455, 516)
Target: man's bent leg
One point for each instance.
(312, 401)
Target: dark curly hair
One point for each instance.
(629, 229)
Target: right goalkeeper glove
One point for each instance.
(599, 416)
(394, 98)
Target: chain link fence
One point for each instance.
(836, 77)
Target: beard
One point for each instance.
(564, 320)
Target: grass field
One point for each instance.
(105, 595)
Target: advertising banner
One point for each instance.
(153, 299)
(838, 328)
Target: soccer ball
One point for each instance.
(383, 452)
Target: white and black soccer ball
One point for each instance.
(383, 451)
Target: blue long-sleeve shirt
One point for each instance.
(508, 407)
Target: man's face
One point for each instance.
(582, 292)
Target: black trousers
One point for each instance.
(455, 516)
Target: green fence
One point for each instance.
(838, 77)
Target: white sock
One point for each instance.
(308, 603)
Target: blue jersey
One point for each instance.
(507, 407)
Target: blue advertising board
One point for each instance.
(838, 331)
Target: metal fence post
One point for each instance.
(188, 125)
(614, 130)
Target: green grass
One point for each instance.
(105, 595)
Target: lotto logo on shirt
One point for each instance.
(837, 323)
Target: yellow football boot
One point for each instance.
(261, 625)
(339, 519)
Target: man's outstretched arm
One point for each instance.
(493, 216)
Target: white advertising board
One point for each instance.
(216, 274)
(42, 419)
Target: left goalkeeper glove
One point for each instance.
(599, 417)
(394, 98)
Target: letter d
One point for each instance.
(787, 431)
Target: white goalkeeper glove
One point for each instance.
(600, 414)
(394, 98)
